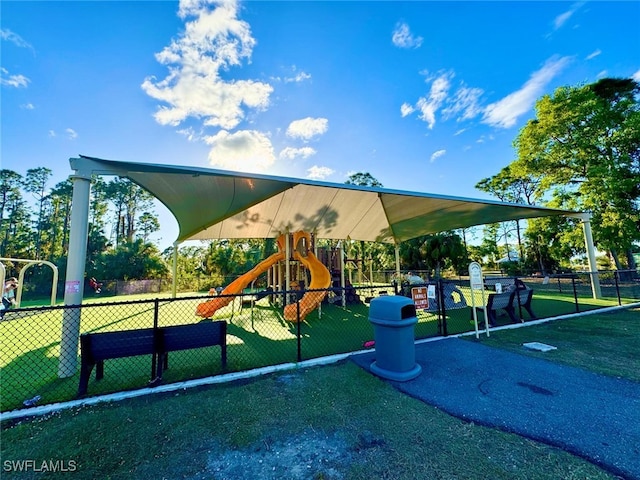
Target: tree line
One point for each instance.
(36, 219)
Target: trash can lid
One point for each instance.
(392, 307)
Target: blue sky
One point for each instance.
(426, 96)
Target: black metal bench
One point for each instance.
(157, 342)
(522, 298)
(186, 337)
(499, 301)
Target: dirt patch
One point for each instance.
(309, 456)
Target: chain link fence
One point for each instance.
(42, 351)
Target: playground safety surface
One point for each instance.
(589, 415)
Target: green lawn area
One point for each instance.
(330, 422)
(257, 337)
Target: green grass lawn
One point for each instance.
(329, 422)
(604, 343)
(257, 337)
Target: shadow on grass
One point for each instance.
(35, 373)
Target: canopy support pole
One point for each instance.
(591, 255)
(74, 280)
(287, 274)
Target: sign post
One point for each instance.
(476, 281)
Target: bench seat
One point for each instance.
(97, 347)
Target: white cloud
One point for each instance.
(602, 74)
(319, 173)
(636, 76)
(406, 109)
(190, 134)
(561, 19)
(214, 40)
(403, 38)
(459, 132)
(9, 36)
(16, 81)
(504, 113)
(307, 128)
(52, 133)
(246, 151)
(299, 77)
(465, 104)
(437, 154)
(593, 54)
(428, 106)
(28, 106)
(291, 153)
(71, 133)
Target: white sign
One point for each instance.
(72, 286)
(431, 291)
(475, 276)
(498, 288)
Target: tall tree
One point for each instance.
(35, 182)
(14, 216)
(56, 221)
(511, 185)
(584, 145)
(128, 200)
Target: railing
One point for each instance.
(258, 332)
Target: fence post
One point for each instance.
(615, 277)
(298, 333)
(156, 334)
(444, 309)
(515, 284)
(575, 293)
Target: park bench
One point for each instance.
(507, 283)
(499, 301)
(95, 348)
(186, 337)
(522, 298)
(508, 301)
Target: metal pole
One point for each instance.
(174, 269)
(342, 280)
(74, 280)
(591, 255)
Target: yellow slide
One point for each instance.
(320, 279)
(208, 308)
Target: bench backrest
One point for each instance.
(524, 296)
(125, 343)
(196, 335)
(499, 300)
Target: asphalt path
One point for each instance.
(593, 416)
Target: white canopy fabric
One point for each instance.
(217, 204)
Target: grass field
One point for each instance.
(332, 422)
(257, 337)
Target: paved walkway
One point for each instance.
(593, 416)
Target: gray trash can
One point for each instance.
(394, 319)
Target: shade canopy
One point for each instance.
(216, 204)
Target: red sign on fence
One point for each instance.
(419, 295)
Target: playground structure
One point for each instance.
(334, 260)
(28, 264)
(294, 247)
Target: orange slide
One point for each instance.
(208, 308)
(320, 279)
